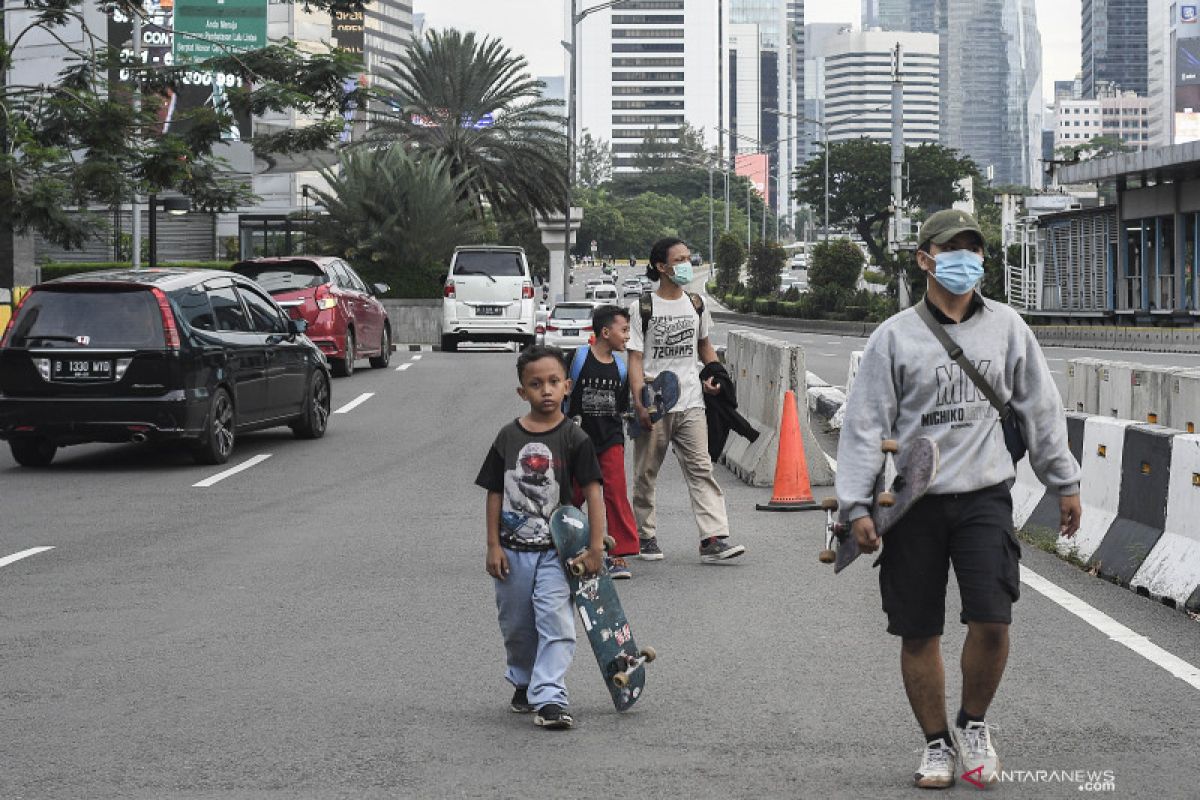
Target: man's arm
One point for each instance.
(708, 354)
(637, 381)
(497, 561)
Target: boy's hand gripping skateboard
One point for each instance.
(659, 396)
(621, 661)
(907, 473)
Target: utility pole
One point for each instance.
(136, 77)
(898, 170)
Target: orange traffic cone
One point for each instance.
(792, 490)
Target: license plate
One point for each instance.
(69, 369)
(489, 311)
(570, 332)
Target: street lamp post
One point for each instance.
(174, 206)
(572, 48)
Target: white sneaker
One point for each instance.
(976, 752)
(937, 766)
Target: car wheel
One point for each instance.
(385, 350)
(449, 343)
(216, 445)
(314, 421)
(344, 367)
(33, 451)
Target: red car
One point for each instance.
(344, 317)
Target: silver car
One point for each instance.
(569, 325)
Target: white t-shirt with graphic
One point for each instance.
(671, 343)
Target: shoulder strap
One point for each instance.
(622, 368)
(577, 362)
(697, 302)
(645, 310)
(963, 362)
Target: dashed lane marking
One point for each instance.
(1113, 629)
(220, 476)
(416, 358)
(355, 403)
(403, 367)
(33, 551)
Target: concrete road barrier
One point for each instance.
(1115, 393)
(764, 369)
(415, 321)
(1083, 385)
(1171, 572)
(1184, 411)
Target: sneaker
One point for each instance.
(520, 702)
(976, 753)
(553, 716)
(649, 549)
(937, 766)
(715, 548)
(618, 568)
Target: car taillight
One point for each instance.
(448, 291)
(13, 319)
(324, 297)
(540, 328)
(587, 327)
(527, 291)
(552, 328)
(170, 332)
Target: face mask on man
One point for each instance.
(682, 274)
(958, 271)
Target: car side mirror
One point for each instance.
(381, 288)
(295, 327)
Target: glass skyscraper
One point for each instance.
(1113, 45)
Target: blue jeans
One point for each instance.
(534, 605)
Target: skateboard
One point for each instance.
(621, 662)
(907, 473)
(658, 396)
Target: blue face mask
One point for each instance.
(683, 274)
(958, 271)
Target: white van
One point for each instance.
(488, 297)
(606, 294)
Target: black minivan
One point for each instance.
(155, 355)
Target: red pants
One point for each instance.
(617, 511)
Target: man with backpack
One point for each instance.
(669, 332)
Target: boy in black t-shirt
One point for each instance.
(528, 473)
(599, 395)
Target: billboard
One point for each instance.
(755, 167)
(207, 29)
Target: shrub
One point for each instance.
(730, 255)
(838, 262)
(767, 259)
(875, 276)
(792, 294)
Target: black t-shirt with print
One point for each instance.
(533, 473)
(598, 398)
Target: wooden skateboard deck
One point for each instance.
(621, 662)
(658, 396)
(908, 471)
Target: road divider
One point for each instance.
(220, 476)
(33, 551)
(355, 403)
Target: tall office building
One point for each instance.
(645, 68)
(795, 86)
(1116, 114)
(388, 33)
(918, 16)
(772, 131)
(1113, 45)
(819, 37)
(1160, 37)
(858, 86)
(992, 87)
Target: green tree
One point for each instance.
(671, 149)
(74, 140)
(730, 255)
(838, 262)
(860, 185)
(766, 262)
(1096, 147)
(593, 161)
(473, 103)
(395, 217)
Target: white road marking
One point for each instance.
(403, 367)
(33, 551)
(220, 476)
(416, 357)
(355, 403)
(828, 355)
(1115, 630)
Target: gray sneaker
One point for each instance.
(716, 548)
(649, 550)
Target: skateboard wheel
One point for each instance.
(609, 543)
(890, 446)
(830, 504)
(649, 654)
(577, 569)
(886, 499)
(620, 680)
(827, 557)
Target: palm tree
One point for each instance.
(396, 218)
(474, 103)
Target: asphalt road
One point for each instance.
(319, 625)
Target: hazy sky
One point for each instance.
(535, 27)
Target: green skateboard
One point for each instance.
(621, 662)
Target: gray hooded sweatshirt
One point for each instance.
(907, 386)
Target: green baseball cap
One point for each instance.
(945, 225)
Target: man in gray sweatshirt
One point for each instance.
(909, 386)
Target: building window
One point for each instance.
(652, 5)
(647, 19)
(647, 62)
(648, 33)
(648, 90)
(647, 76)
(647, 47)
(665, 105)
(650, 119)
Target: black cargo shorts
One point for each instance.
(974, 532)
